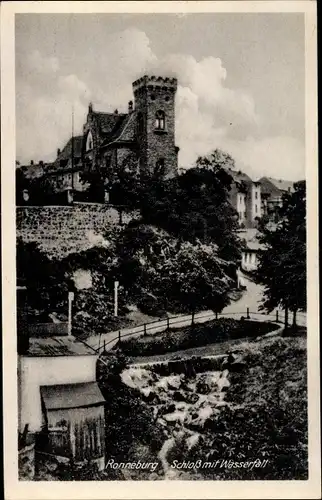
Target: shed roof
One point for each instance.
(57, 397)
(58, 346)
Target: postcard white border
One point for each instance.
(14, 489)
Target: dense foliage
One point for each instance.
(163, 273)
(270, 398)
(193, 206)
(44, 278)
(181, 256)
(282, 265)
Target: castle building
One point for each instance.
(146, 134)
(143, 138)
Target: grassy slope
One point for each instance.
(267, 414)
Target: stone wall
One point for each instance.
(26, 462)
(60, 230)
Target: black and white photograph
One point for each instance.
(161, 247)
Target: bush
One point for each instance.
(196, 336)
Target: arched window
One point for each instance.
(89, 142)
(160, 120)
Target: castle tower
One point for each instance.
(154, 99)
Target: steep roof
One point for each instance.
(238, 175)
(109, 122)
(66, 152)
(124, 132)
(61, 396)
(277, 184)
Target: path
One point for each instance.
(250, 299)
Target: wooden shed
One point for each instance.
(73, 422)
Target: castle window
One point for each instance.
(89, 142)
(160, 120)
(159, 167)
(256, 195)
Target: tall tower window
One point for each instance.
(89, 142)
(160, 120)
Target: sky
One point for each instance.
(240, 81)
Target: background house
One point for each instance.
(245, 196)
(250, 253)
(272, 193)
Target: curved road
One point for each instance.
(251, 299)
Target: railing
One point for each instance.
(180, 321)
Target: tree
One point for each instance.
(95, 182)
(164, 274)
(195, 205)
(44, 278)
(282, 263)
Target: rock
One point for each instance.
(191, 398)
(179, 396)
(238, 366)
(203, 387)
(174, 381)
(150, 397)
(169, 408)
(192, 441)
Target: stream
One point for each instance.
(181, 406)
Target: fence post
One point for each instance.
(119, 336)
(216, 313)
(247, 317)
(144, 329)
(168, 323)
(276, 316)
(104, 346)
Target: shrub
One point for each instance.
(196, 336)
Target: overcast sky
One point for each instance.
(241, 81)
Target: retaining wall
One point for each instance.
(60, 230)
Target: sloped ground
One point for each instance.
(206, 414)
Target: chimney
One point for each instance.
(31, 162)
(58, 152)
(130, 106)
(90, 108)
